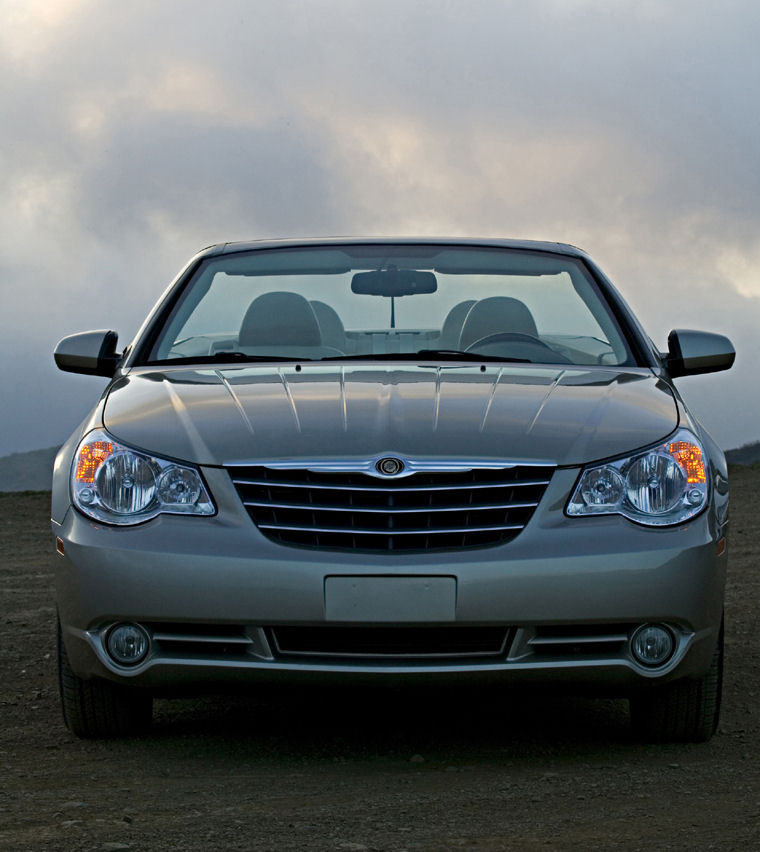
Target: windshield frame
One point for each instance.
(614, 309)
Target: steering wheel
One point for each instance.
(524, 340)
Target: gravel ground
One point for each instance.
(338, 770)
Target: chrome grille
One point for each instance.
(426, 510)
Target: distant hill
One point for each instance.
(27, 471)
(746, 454)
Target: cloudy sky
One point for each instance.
(133, 134)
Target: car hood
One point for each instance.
(516, 412)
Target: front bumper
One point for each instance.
(214, 593)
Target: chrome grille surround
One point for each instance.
(319, 647)
(429, 505)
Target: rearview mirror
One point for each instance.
(393, 282)
(91, 352)
(693, 352)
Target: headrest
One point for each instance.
(280, 319)
(495, 315)
(330, 324)
(452, 325)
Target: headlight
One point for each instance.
(664, 485)
(119, 485)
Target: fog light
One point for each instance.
(127, 644)
(652, 644)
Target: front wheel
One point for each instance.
(94, 709)
(684, 711)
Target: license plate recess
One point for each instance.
(407, 599)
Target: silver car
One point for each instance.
(398, 460)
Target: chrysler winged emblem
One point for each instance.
(389, 466)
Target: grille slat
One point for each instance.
(390, 509)
(341, 509)
(396, 531)
(206, 641)
(574, 641)
(315, 486)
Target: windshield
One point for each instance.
(392, 301)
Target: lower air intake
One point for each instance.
(390, 642)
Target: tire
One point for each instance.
(95, 709)
(683, 711)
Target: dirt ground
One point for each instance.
(362, 771)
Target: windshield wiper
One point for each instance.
(427, 354)
(459, 355)
(217, 357)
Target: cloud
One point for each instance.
(135, 134)
(32, 28)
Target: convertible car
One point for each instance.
(391, 459)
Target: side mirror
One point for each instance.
(693, 352)
(91, 352)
